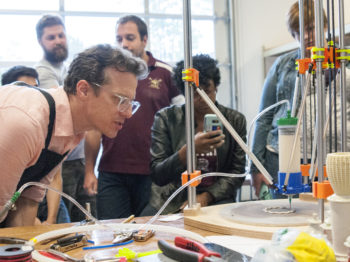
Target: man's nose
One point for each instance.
(59, 41)
(125, 44)
(127, 113)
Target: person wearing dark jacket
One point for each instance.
(216, 151)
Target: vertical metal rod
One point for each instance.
(232, 49)
(302, 80)
(319, 28)
(189, 100)
(342, 78)
(330, 112)
(334, 85)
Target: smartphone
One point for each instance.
(212, 123)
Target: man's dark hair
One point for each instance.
(16, 72)
(141, 25)
(207, 68)
(45, 21)
(90, 65)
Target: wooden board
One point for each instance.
(249, 220)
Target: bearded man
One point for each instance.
(51, 36)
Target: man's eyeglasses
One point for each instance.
(124, 102)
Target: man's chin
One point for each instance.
(111, 134)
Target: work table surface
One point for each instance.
(29, 232)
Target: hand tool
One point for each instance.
(186, 250)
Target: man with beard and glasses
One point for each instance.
(51, 36)
(124, 184)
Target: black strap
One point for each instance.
(52, 106)
(52, 116)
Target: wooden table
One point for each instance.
(29, 232)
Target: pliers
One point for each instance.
(186, 250)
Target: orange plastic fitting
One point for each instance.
(305, 168)
(322, 190)
(185, 177)
(329, 61)
(324, 172)
(191, 75)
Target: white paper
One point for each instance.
(245, 245)
(171, 217)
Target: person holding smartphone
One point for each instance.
(216, 151)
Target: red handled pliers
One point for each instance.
(186, 250)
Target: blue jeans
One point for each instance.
(271, 165)
(62, 215)
(121, 195)
(73, 173)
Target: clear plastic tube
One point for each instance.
(8, 205)
(115, 226)
(183, 187)
(295, 96)
(62, 194)
(285, 101)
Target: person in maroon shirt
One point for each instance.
(123, 184)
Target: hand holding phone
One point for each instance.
(212, 137)
(212, 123)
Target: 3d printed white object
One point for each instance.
(338, 172)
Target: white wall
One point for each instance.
(260, 25)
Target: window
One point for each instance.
(19, 43)
(198, 7)
(120, 6)
(90, 22)
(30, 5)
(83, 32)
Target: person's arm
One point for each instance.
(164, 159)
(47, 77)
(92, 147)
(204, 143)
(264, 124)
(53, 199)
(24, 215)
(20, 147)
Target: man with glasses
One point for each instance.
(51, 35)
(39, 128)
(123, 183)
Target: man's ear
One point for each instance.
(83, 88)
(145, 39)
(40, 42)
